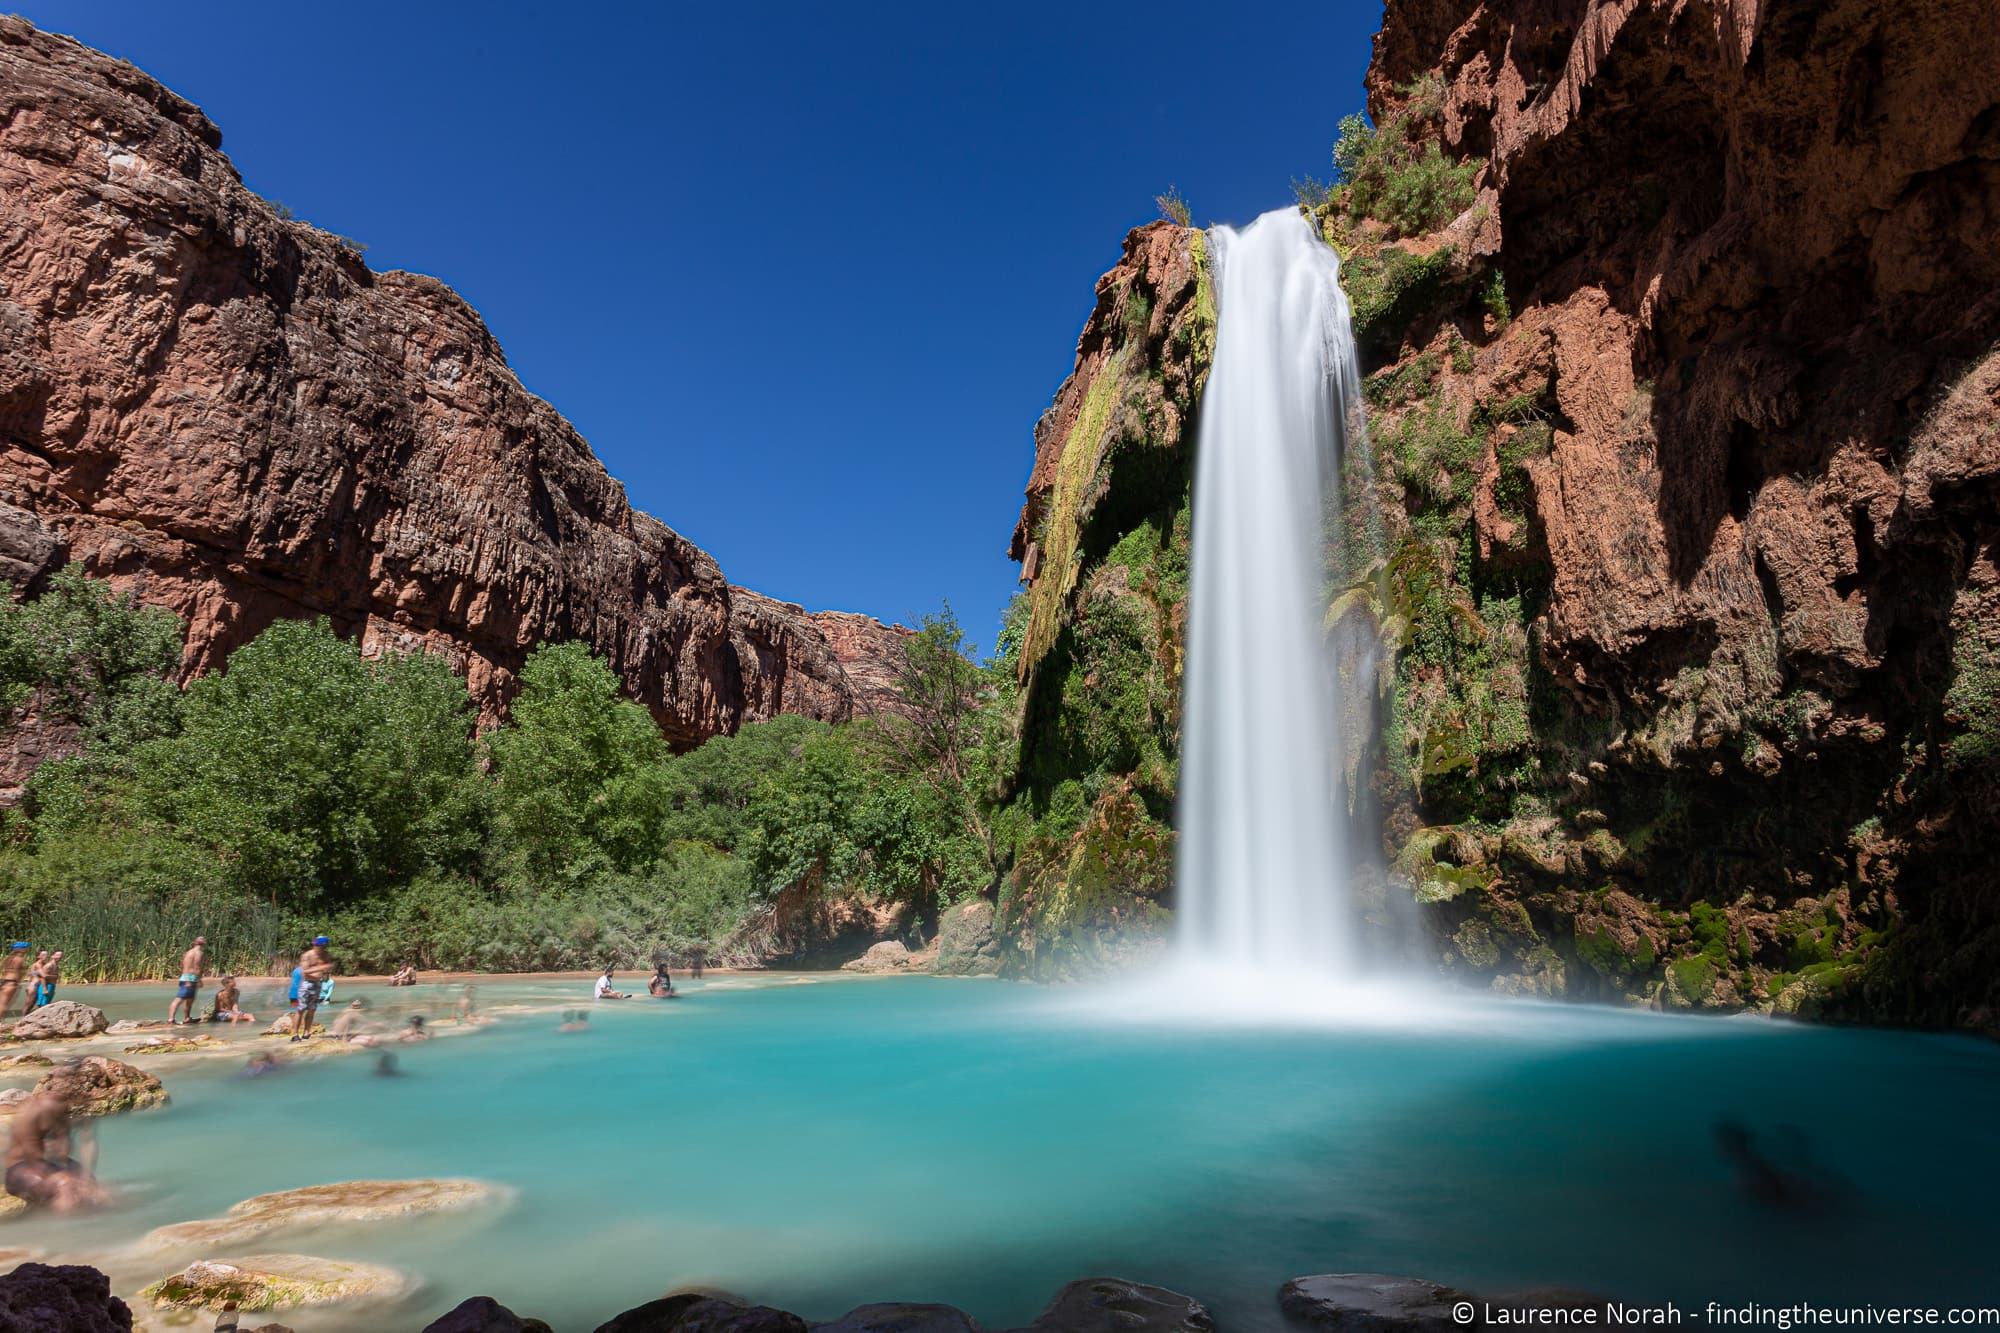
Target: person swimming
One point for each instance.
(575, 1020)
(415, 1031)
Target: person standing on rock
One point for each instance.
(193, 963)
(13, 971)
(315, 968)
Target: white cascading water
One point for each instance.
(1261, 877)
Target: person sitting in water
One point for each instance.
(415, 1031)
(262, 1063)
(226, 1007)
(661, 987)
(405, 976)
(467, 1010)
(605, 990)
(43, 1166)
(349, 1027)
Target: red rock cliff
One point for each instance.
(228, 412)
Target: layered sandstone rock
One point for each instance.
(227, 411)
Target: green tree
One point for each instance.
(580, 786)
(315, 776)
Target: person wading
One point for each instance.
(13, 971)
(193, 963)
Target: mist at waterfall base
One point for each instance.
(1266, 925)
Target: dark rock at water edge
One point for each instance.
(698, 1313)
(38, 1298)
(1371, 1303)
(1114, 1305)
(483, 1314)
(901, 1317)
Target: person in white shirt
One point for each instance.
(607, 991)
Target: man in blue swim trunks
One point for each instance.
(193, 963)
(314, 970)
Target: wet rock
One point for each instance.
(64, 1018)
(693, 1312)
(901, 1317)
(888, 956)
(98, 1085)
(9, 1205)
(36, 1298)
(1371, 1303)
(170, 1045)
(274, 1282)
(128, 1025)
(967, 945)
(25, 1061)
(483, 1314)
(321, 1205)
(1113, 1305)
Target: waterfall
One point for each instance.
(1263, 765)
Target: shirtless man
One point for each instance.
(193, 963)
(314, 969)
(228, 1007)
(42, 1167)
(13, 971)
(51, 974)
(35, 971)
(349, 1026)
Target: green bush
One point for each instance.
(1397, 173)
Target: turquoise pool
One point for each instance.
(816, 1142)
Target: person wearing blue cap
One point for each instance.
(13, 971)
(315, 968)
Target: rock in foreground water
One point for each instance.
(69, 1299)
(483, 1314)
(273, 1282)
(319, 1205)
(63, 1018)
(98, 1085)
(901, 1317)
(1114, 1305)
(696, 1313)
(1371, 1303)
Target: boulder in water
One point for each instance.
(483, 1314)
(1372, 1303)
(888, 956)
(25, 1060)
(99, 1085)
(69, 1299)
(64, 1018)
(1114, 1305)
(966, 943)
(693, 1312)
(273, 1282)
(125, 1025)
(901, 1317)
(320, 1205)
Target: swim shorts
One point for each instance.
(308, 994)
(189, 985)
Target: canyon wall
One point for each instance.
(226, 411)
(1686, 411)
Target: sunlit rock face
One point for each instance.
(229, 413)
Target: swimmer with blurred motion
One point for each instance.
(45, 1166)
(574, 1020)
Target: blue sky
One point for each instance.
(804, 275)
